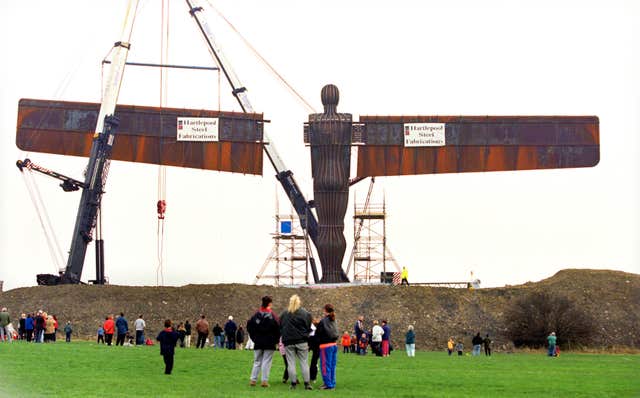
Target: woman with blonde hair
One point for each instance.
(295, 326)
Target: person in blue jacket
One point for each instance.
(168, 339)
(122, 327)
(28, 327)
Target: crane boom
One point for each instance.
(283, 174)
(99, 159)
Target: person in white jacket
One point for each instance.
(376, 338)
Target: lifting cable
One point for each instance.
(162, 171)
(52, 242)
(306, 104)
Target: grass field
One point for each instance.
(83, 369)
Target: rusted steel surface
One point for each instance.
(329, 135)
(145, 134)
(477, 143)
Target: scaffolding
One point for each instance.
(371, 259)
(288, 260)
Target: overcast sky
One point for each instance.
(387, 58)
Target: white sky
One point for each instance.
(387, 58)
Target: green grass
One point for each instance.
(83, 369)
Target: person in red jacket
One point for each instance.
(346, 342)
(109, 329)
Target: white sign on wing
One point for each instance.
(197, 129)
(424, 134)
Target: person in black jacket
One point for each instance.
(230, 329)
(477, 344)
(295, 326)
(327, 333)
(168, 339)
(264, 330)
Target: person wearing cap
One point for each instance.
(230, 329)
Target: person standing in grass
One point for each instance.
(122, 327)
(5, 320)
(139, 325)
(386, 338)
(168, 339)
(327, 334)
(459, 348)
(67, 332)
(187, 336)
(450, 345)
(295, 326)
(376, 338)
(202, 327)
(28, 327)
(230, 329)
(109, 329)
(551, 340)
(346, 342)
(264, 329)
(100, 335)
(477, 344)
(487, 345)
(314, 347)
(410, 342)
(217, 336)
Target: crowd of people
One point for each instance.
(295, 333)
(36, 327)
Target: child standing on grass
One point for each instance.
(67, 332)
(459, 348)
(346, 342)
(100, 335)
(362, 344)
(168, 339)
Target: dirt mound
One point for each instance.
(611, 297)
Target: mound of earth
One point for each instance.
(611, 297)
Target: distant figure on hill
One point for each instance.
(187, 336)
(477, 344)
(217, 336)
(139, 325)
(376, 338)
(230, 329)
(460, 348)
(167, 338)
(295, 326)
(487, 345)
(109, 329)
(22, 335)
(405, 276)
(67, 332)
(100, 335)
(122, 326)
(410, 342)
(264, 329)
(551, 340)
(450, 345)
(202, 327)
(50, 330)
(327, 333)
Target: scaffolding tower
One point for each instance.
(288, 260)
(372, 260)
